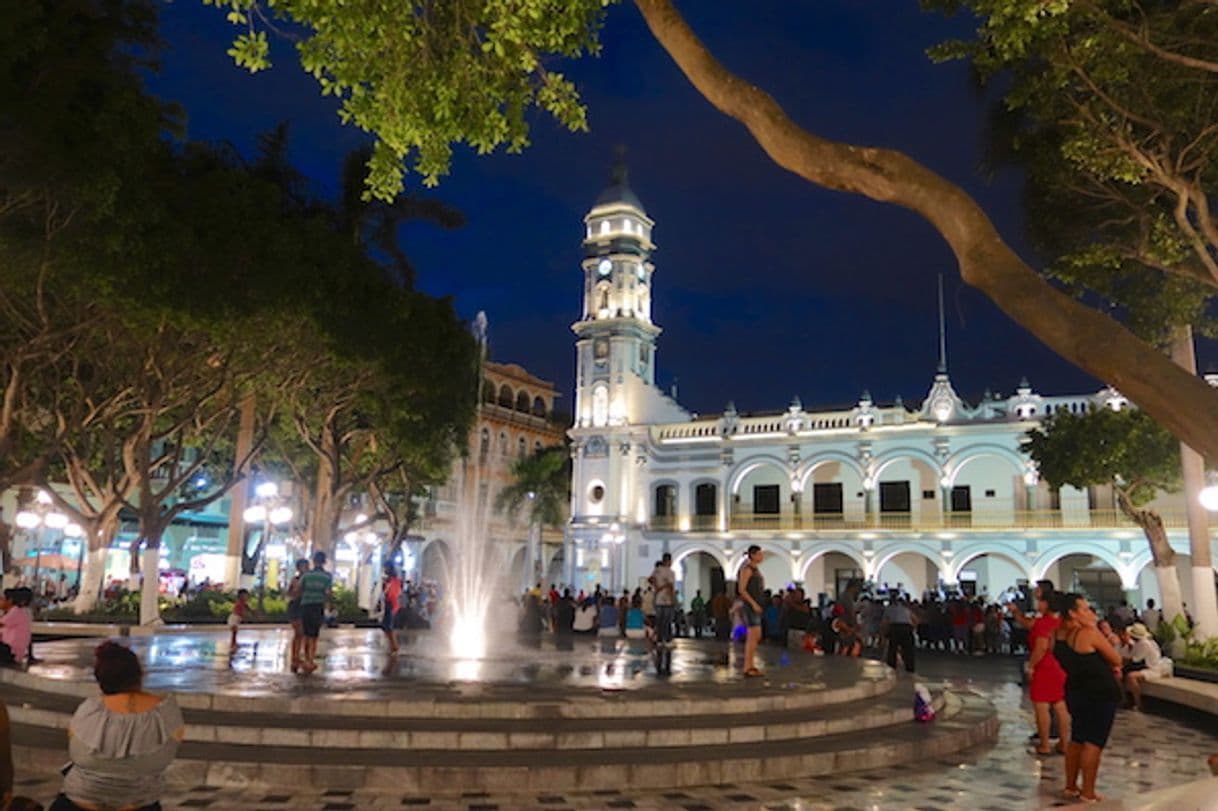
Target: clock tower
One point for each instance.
(615, 393)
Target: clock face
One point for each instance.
(604, 267)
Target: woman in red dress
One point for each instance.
(1048, 678)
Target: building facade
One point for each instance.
(516, 418)
(935, 495)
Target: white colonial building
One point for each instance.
(934, 494)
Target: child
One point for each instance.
(241, 610)
(16, 630)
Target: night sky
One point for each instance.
(765, 286)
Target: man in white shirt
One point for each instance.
(663, 585)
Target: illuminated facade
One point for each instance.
(937, 494)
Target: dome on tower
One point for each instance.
(618, 191)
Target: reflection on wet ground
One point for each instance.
(357, 665)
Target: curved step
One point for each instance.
(42, 709)
(446, 701)
(965, 721)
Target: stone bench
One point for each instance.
(1198, 695)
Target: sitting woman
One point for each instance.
(120, 742)
(1145, 661)
(635, 623)
(608, 620)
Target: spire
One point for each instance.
(618, 190)
(942, 332)
(619, 174)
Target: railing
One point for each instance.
(976, 519)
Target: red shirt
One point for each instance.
(393, 594)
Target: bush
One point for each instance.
(1201, 654)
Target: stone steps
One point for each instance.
(35, 708)
(965, 721)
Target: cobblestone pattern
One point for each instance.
(1147, 751)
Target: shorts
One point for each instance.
(234, 620)
(387, 618)
(311, 617)
(751, 618)
(294, 611)
(1090, 719)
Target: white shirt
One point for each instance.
(663, 576)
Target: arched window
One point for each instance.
(537, 446)
(666, 501)
(600, 406)
(488, 392)
(539, 407)
(506, 396)
(503, 444)
(706, 498)
(522, 447)
(522, 402)
(484, 443)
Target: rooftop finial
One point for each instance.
(618, 174)
(942, 332)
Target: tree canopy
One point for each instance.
(150, 286)
(1110, 106)
(391, 61)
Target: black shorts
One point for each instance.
(311, 618)
(1090, 719)
(293, 610)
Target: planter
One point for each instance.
(1196, 673)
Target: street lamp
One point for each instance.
(269, 512)
(42, 515)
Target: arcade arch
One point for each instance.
(1099, 576)
(990, 571)
(761, 490)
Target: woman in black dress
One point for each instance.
(1092, 692)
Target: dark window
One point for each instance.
(706, 499)
(766, 499)
(539, 407)
(962, 499)
(597, 493)
(522, 402)
(827, 499)
(666, 501)
(1055, 498)
(505, 397)
(989, 493)
(894, 497)
(928, 495)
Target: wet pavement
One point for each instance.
(355, 664)
(1147, 751)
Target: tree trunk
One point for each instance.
(1164, 560)
(133, 570)
(93, 567)
(238, 494)
(1181, 402)
(6, 548)
(150, 610)
(1205, 596)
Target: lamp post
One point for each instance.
(270, 511)
(42, 515)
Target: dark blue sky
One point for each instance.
(766, 286)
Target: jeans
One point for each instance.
(900, 638)
(664, 617)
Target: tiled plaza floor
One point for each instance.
(1147, 751)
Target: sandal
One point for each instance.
(753, 672)
(1071, 793)
(1032, 750)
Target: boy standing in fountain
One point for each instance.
(315, 589)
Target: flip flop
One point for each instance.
(753, 673)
